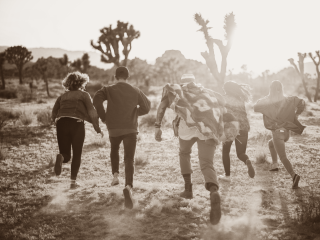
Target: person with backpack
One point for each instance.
(236, 96)
(69, 112)
(280, 115)
(202, 119)
(124, 104)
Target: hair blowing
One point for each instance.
(240, 91)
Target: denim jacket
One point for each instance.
(77, 104)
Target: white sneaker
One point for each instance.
(274, 167)
(224, 178)
(115, 180)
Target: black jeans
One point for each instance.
(70, 132)
(241, 147)
(129, 145)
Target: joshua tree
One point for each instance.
(82, 64)
(41, 66)
(64, 60)
(110, 38)
(19, 56)
(2, 60)
(301, 56)
(229, 27)
(318, 73)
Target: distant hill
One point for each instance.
(58, 53)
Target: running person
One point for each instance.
(70, 111)
(236, 96)
(280, 115)
(202, 121)
(125, 104)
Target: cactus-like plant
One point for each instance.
(316, 63)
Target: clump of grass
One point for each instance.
(98, 142)
(6, 116)
(24, 93)
(26, 118)
(44, 117)
(8, 93)
(262, 149)
(140, 160)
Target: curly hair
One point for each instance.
(75, 80)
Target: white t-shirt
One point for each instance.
(187, 133)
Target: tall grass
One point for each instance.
(44, 117)
(26, 118)
(262, 148)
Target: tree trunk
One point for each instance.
(317, 89)
(2, 79)
(47, 86)
(20, 75)
(305, 88)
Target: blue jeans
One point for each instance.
(206, 151)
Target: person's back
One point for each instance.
(125, 104)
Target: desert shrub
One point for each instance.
(262, 149)
(44, 117)
(26, 118)
(8, 93)
(24, 93)
(6, 116)
(92, 88)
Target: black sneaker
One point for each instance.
(58, 164)
(128, 201)
(215, 213)
(251, 171)
(295, 180)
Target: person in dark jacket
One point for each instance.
(70, 111)
(125, 104)
(236, 96)
(280, 115)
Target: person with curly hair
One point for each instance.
(70, 111)
(236, 96)
(280, 116)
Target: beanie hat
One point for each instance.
(122, 72)
(188, 77)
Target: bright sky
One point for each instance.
(269, 31)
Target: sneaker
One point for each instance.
(58, 164)
(295, 180)
(274, 167)
(224, 178)
(215, 213)
(187, 193)
(128, 201)
(115, 181)
(74, 185)
(251, 171)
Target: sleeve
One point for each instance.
(98, 99)
(55, 109)
(92, 112)
(144, 103)
(300, 105)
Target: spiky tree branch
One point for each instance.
(210, 58)
(316, 63)
(300, 71)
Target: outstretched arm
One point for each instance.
(160, 113)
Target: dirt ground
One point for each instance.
(35, 204)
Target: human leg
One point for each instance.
(226, 146)
(274, 156)
(206, 151)
(185, 165)
(129, 145)
(241, 148)
(78, 136)
(114, 156)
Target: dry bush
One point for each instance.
(25, 94)
(44, 117)
(262, 149)
(26, 118)
(6, 116)
(8, 93)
